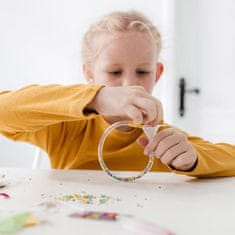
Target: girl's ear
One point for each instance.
(88, 73)
(159, 71)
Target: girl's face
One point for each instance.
(129, 59)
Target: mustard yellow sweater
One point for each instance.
(53, 118)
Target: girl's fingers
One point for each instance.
(166, 144)
(173, 152)
(135, 114)
(183, 161)
(142, 141)
(160, 136)
(159, 113)
(159, 116)
(148, 108)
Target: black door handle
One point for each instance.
(183, 90)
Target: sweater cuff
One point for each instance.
(87, 97)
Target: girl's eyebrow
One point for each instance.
(143, 64)
(113, 65)
(119, 65)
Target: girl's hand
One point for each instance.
(172, 148)
(128, 103)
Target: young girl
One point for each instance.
(120, 62)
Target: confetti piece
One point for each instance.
(5, 195)
(2, 185)
(95, 215)
(3, 182)
(85, 198)
(31, 221)
(13, 224)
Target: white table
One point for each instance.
(183, 204)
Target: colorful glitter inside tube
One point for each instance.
(100, 153)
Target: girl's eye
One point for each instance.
(142, 72)
(116, 73)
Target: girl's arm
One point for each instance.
(32, 109)
(188, 155)
(213, 159)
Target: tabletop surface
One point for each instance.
(185, 205)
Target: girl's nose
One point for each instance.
(129, 81)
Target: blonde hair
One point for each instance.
(118, 22)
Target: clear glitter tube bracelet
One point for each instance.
(148, 130)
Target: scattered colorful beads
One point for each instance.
(85, 198)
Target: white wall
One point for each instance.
(217, 69)
(40, 43)
(205, 55)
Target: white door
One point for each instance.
(205, 57)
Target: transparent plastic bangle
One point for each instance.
(101, 160)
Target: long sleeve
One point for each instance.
(213, 159)
(52, 117)
(34, 108)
